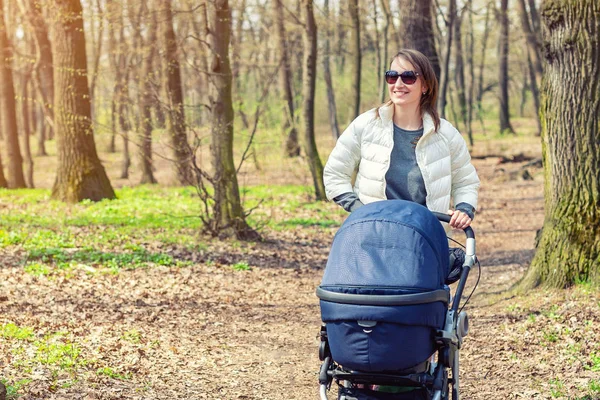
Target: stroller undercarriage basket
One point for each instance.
(385, 308)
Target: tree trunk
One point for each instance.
(228, 215)
(176, 124)
(445, 73)
(146, 101)
(471, 64)
(568, 250)
(505, 126)
(459, 72)
(486, 32)
(292, 147)
(385, 6)
(8, 113)
(416, 29)
(355, 51)
(97, 50)
(26, 131)
(308, 94)
(532, 43)
(45, 62)
(331, 106)
(80, 175)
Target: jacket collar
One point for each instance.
(387, 115)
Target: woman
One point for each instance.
(403, 150)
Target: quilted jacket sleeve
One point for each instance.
(465, 182)
(344, 158)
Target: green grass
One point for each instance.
(113, 374)
(12, 331)
(13, 389)
(241, 266)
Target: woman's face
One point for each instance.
(403, 94)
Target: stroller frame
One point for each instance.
(448, 340)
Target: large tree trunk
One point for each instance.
(332, 108)
(176, 124)
(308, 93)
(568, 250)
(228, 215)
(8, 113)
(292, 147)
(416, 29)
(80, 175)
(355, 51)
(505, 126)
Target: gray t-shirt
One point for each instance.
(404, 179)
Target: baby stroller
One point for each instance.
(388, 332)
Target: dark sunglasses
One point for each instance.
(407, 77)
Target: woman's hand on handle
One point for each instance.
(459, 219)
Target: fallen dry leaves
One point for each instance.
(209, 331)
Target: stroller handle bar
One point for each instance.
(446, 218)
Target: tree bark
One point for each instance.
(176, 124)
(416, 29)
(355, 51)
(568, 249)
(505, 126)
(308, 92)
(8, 113)
(292, 147)
(444, 80)
(228, 215)
(331, 106)
(80, 175)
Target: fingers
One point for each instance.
(459, 219)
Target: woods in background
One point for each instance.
(228, 73)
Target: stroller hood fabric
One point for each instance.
(389, 243)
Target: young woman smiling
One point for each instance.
(404, 150)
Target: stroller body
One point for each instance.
(385, 307)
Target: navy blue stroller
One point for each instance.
(389, 331)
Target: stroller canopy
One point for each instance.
(390, 243)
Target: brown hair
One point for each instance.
(425, 69)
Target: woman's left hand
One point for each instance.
(459, 220)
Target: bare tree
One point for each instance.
(147, 95)
(569, 244)
(228, 216)
(80, 175)
(308, 93)
(176, 124)
(385, 6)
(503, 44)
(292, 147)
(331, 106)
(355, 51)
(444, 79)
(8, 114)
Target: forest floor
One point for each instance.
(126, 301)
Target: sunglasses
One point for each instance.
(407, 77)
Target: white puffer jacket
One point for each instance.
(442, 156)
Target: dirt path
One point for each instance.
(210, 332)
